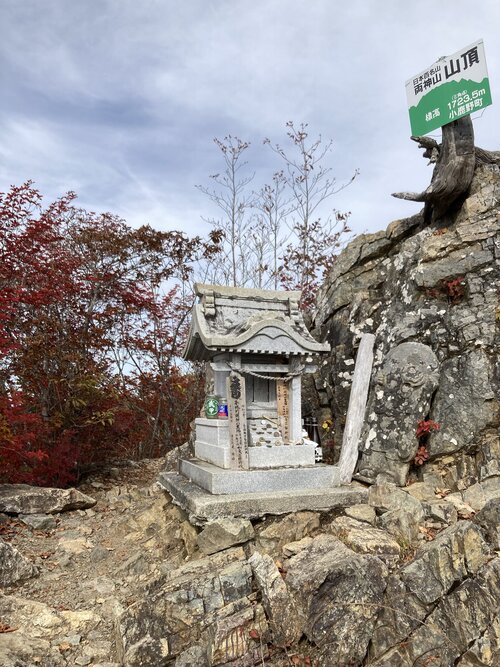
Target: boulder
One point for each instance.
(385, 497)
(479, 494)
(25, 499)
(289, 528)
(361, 512)
(402, 525)
(207, 601)
(422, 491)
(221, 534)
(456, 553)
(14, 567)
(39, 521)
(338, 594)
(363, 538)
(293, 548)
(278, 604)
(440, 510)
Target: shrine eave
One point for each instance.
(270, 336)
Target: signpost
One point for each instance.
(453, 87)
(283, 409)
(237, 414)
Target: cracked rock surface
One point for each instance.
(125, 584)
(431, 297)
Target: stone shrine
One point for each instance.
(256, 346)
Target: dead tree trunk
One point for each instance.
(455, 160)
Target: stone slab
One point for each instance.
(211, 453)
(214, 431)
(218, 481)
(281, 456)
(203, 506)
(259, 457)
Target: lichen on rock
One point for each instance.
(429, 287)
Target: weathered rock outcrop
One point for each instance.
(405, 580)
(431, 297)
(207, 601)
(25, 499)
(14, 567)
(339, 594)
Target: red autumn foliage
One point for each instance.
(92, 320)
(421, 456)
(455, 288)
(426, 426)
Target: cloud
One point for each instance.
(120, 100)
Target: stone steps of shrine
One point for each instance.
(223, 481)
(204, 506)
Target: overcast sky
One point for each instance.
(119, 100)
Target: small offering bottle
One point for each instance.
(211, 406)
(314, 431)
(222, 411)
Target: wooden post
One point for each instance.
(237, 415)
(295, 400)
(356, 409)
(283, 409)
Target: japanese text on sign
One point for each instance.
(283, 409)
(237, 415)
(451, 88)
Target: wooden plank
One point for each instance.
(237, 416)
(283, 409)
(356, 410)
(295, 400)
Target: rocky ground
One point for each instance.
(92, 565)
(409, 577)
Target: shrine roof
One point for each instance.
(234, 319)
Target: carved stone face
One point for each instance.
(400, 398)
(408, 375)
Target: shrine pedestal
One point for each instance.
(212, 445)
(218, 481)
(203, 506)
(212, 441)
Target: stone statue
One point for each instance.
(400, 398)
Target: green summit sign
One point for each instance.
(450, 88)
